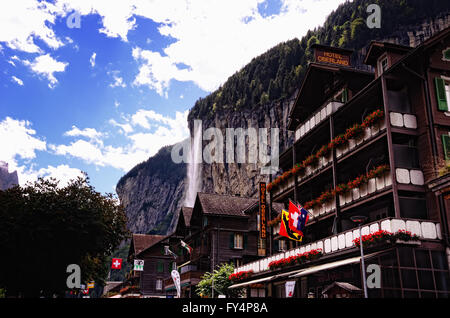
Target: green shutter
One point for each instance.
(170, 266)
(245, 241)
(345, 95)
(447, 54)
(160, 267)
(446, 145)
(231, 240)
(440, 94)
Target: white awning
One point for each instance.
(252, 282)
(318, 268)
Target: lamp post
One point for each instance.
(360, 220)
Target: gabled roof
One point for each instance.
(187, 214)
(276, 207)
(376, 48)
(141, 242)
(217, 204)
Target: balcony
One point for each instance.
(426, 230)
(352, 146)
(317, 118)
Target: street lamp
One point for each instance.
(360, 220)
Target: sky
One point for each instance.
(99, 86)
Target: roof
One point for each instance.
(347, 286)
(141, 242)
(187, 214)
(376, 48)
(276, 207)
(218, 204)
(311, 94)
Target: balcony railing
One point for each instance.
(426, 230)
(324, 162)
(403, 120)
(317, 118)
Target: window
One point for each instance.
(442, 93)
(446, 146)
(282, 245)
(382, 65)
(238, 241)
(159, 284)
(160, 266)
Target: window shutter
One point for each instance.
(345, 95)
(231, 240)
(446, 145)
(440, 94)
(170, 266)
(245, 241)
(160, 268)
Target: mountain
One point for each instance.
(261, 95)
(7, 180)
(152, 192)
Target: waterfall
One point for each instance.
(194, 171)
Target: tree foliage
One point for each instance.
(44, 228)
(278, 72)
(219, 280)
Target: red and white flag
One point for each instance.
(189, 249)
(116, 263)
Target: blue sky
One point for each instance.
(108, 94)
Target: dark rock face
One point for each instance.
(151, 192)
(7, 180)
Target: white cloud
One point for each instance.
(90, 133)
(141, 146)
(125, 128)
(62, 173)
(46, 66)
(92, 59)
(215, 39)
(17, 80)
(22, 22)
(17, 140)
(118, 81)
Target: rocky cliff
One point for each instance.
(152, 192)
(7, 179)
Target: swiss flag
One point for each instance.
(116, 263)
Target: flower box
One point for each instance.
(351, 144)
(374, 129)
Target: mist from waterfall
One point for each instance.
(194, 171)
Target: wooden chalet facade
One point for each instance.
(158, 264)
(220, 229)
(373, 145)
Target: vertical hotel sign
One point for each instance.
(262, 209)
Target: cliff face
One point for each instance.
(7, 180)
(243, 178)
(152, 192)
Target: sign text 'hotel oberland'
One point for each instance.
(332, 57)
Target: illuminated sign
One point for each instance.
(262, 209)
(332, 58)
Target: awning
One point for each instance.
(252, 282)
(318, 268)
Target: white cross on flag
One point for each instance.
(116, 263)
